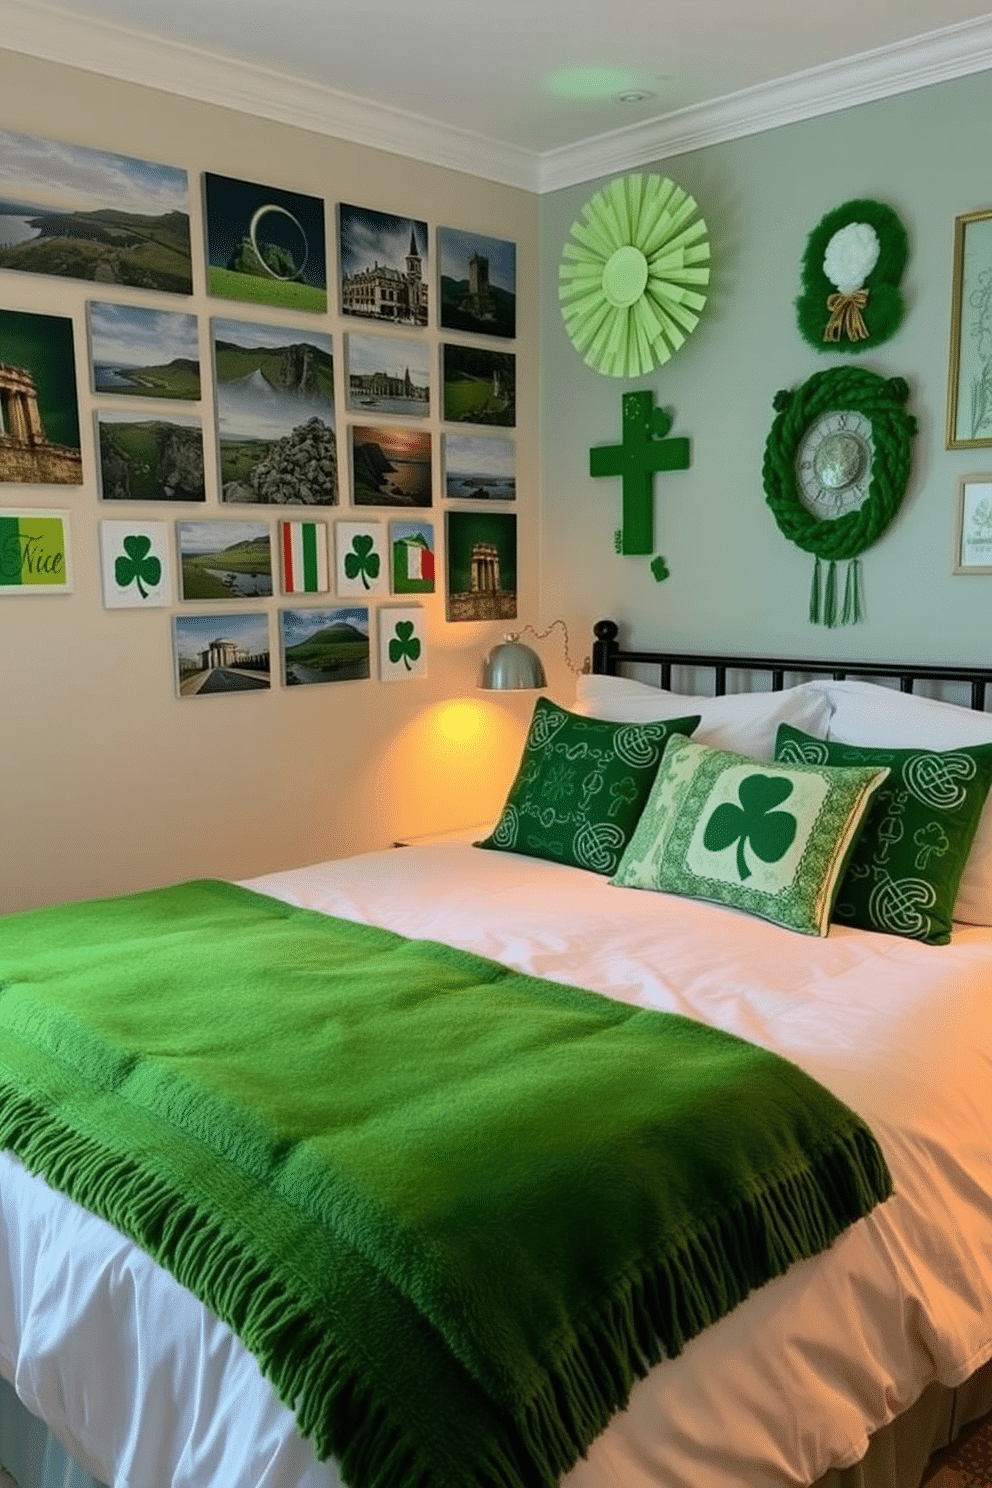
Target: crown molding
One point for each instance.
(952, 52)
(55, 35)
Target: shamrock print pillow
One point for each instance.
(770, 839)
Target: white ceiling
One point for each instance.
(523, 91)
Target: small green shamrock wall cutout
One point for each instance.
(755, 821)
(362, 561)
(659, 568)
(135, 566)
(404, 645)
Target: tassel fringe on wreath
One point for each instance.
(823, 595)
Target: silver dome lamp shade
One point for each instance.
(512, 666)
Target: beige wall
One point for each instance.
(108, 782)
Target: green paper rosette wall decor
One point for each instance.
(632, 273)
(836, 464)
(854, 260)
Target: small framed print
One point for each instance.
(34, 552)
(973, 539)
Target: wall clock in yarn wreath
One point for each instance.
(854, 260)
(837, 460)
(632, 273)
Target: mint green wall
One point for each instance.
(735, 582)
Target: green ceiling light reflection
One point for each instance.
(631, 276)
(589, 82)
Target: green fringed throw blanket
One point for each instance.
(454, 1211)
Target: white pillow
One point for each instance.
(745, 722)
(864, 713)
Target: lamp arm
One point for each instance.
(542, 635)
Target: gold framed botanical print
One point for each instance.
(969, 378)
(973, 531)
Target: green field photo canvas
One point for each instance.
(480, 386)
(324, 645)
(264, 244)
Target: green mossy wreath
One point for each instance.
(822, 321)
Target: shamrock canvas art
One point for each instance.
(361, 566)
(134, 564)
(324, 645)
(402, 648)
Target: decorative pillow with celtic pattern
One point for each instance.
(581, 787)
(905, 870)
(770, 839)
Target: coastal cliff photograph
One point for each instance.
(390, 466)
(150, 459)
(142, 353)
(90, 214)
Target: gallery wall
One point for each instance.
(734, 579)
(111, 781)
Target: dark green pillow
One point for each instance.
(904, 873)
(581, 786)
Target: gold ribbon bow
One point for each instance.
(845, 316)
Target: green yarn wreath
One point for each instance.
(823, 317)
(880, 400)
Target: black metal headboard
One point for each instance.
(608, 656)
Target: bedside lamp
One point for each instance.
(512, 666)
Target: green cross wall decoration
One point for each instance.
(643, 450)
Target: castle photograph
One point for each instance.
(383, 266)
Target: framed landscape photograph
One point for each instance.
(91, 214)
(402, 644)
(479, 467)
(412, 545)
(387, 374)
(134, 565)
(141, 353)
(224, 560)
(34, 552)
(390, 466)
(478, 283)
(221, 653)
(482, 565)
(40, 410)
(969, 381)
(383, 262)
(275, 414)
(324, 645)
(148, 458)
(973, 529)
(480, 386)
(264, 244)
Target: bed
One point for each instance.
(848, 1369)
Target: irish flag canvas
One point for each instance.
(305, 568)
(412, 546)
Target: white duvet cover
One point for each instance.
(147, 1389)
